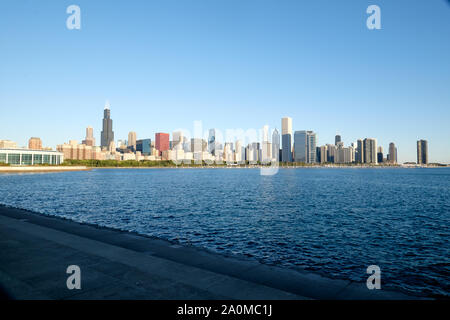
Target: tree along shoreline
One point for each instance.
(247, 164)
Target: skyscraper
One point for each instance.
(337, 139)
(266, 147)
(238, 154)
(161, 142)
(286, 137)
(300, 148)
(370, 150)
(90, 140)
(380, 154)
(305, 146)
(177, 140)
(392, 153)
(212, 144)
(422, 152)
(331, 153)
(132, 140)
(107, 134)
(360, 151)
(321, 154)
(311, 147)
(276, 145)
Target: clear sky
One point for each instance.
(231, 64)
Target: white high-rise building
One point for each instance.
(286, 126)
(238, 154)
(266, 148)
(177, 140)
(392, 157)
(276, 145)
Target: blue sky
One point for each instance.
(230, 64)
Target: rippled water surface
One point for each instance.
(332, 221)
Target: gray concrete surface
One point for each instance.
(36, 250)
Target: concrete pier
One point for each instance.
(36, 251)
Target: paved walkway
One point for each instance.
(36, 250)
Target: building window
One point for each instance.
(27, 159)
(46, 159)
(37, 159)
(2, 157)
(14, 158)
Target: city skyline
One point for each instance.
(294, 146)
(274, 61)
(233, 147)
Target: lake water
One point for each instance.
(332, 221)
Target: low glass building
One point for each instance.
(144, 146)
(29, 157)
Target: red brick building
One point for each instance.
(161, 142)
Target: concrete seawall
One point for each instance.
(36, 251)
(31, 169)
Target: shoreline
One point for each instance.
(280, 167)
(237, 277)
(50, 169)
(41, 169)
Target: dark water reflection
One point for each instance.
(332, 221)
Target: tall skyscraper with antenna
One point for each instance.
(107, 135)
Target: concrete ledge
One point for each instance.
(22, 169)
(37, 249)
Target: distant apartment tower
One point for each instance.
(359, 154)
(239, 154)
(132, 140)
(7, 144)
(422, 152)
(89, 140)
(331, 153)
(161, 142)
(198, 145)
(337, 139)
(286, 139)
(380, 154)
(342, 154)
(107, 135)
(276, 145)
(35, 143)
(370, 150)
(392, 156)
(311, 147)
(253, 152)
(321, 155)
